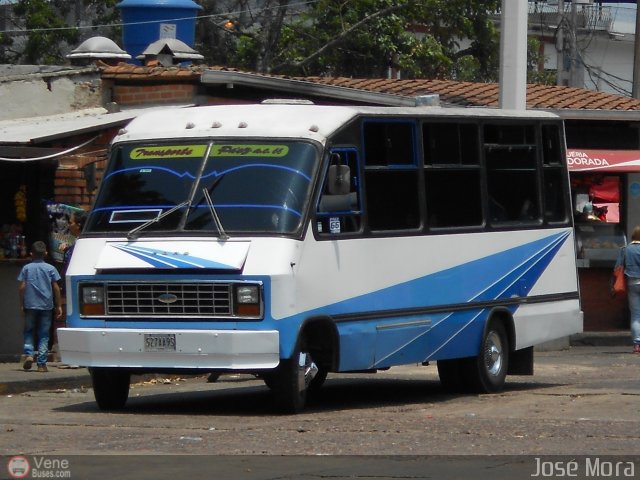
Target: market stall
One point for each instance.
(23, 220)
(605, 188)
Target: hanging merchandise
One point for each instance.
(20, 202)
(607, 190)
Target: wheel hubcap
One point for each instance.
(307, 369)
(493, 354)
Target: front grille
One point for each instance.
(172, 299)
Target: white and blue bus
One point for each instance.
(290, 241)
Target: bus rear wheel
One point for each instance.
(110, 387)
(487, 372)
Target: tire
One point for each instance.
(110, 387)
(318, 380)
(487, 372)
(269, 380)
(451, 373)
(292, 379)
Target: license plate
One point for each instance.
(159, 342)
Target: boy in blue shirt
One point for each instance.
(39, 296)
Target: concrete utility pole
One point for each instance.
(513, 55)
(635, 89)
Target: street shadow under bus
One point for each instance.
(251, 398)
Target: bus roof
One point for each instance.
(281, 120)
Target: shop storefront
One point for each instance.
(606, 194)
(23, 220)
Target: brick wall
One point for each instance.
(72, 183)
(78, 175)
(153, 94)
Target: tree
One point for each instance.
(47, 27)
(243, 33)
(352, 37)
(536, 72)
(366, 37)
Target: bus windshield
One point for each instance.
(257, 187)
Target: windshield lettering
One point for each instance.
(187, 151)
(272, 151)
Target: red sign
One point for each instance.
(603, 160)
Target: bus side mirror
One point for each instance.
(338, 177)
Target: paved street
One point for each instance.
(582, 401)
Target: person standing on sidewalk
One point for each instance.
(630, 257)
(39, 297)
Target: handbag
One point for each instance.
(618, 280)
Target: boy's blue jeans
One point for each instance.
(38, 321)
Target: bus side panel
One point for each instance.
(428, 297)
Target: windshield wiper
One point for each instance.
(216, 219)
(133, 234)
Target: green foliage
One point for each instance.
(360, 38)
(49, 27)
(418, 37)
(42, 45)
(536, 72)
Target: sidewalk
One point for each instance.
(15, 380)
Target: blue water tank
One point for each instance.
(146, 21)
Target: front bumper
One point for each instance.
(194, 349)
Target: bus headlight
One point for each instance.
(247, 300)
(92, 300)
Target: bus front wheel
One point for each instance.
(110, 387)
(292, 379)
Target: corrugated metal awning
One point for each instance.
(20, 137)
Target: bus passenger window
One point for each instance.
(512, 174)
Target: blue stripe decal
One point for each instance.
(163, 259)
(457, 334)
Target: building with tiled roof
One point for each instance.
(569, 102)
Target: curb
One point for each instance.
(22, 386)
(601, 339)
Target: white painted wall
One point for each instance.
(36, 93)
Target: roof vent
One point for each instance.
(168, 52)
(95, 48)
(287, 101)
(216, 125)
(242, 125)
(428, 100)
